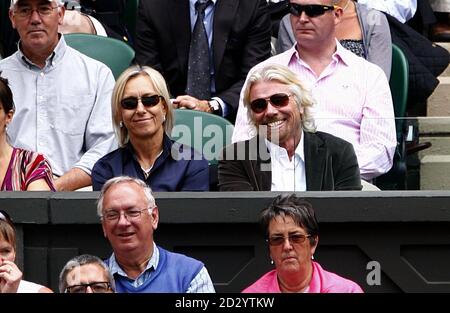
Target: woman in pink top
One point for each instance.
(293, 234)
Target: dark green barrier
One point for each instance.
(407, 233)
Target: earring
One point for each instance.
(164, 118)
(271, 261)
(120, 124)
(312, 257)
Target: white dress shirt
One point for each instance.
(62, 110)
(287, 175)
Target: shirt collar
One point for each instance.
(115, 268)
(276, 149)
(166, 149)
(194, 1)
(341, 54)
(52, 60)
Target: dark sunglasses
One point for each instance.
(312, 10)
(293, 239)
(131, 103)
(278, 100)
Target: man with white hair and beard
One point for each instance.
(287, 154)
(353, 96)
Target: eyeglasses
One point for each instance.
(131, 103)
(312, 10)
(293, 239)
(96, 287)
(43, 10)
(131, 214)
(278, 100)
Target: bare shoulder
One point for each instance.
(44, 289)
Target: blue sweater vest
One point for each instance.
(174, 274)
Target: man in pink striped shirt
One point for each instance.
(353, 98)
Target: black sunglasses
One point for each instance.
(278, 100)
(312, 10)
(131, 103)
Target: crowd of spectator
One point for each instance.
(318, 115)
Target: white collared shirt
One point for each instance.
(62, 110)
(287, 175)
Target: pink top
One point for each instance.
(353, 102)
(321, 282)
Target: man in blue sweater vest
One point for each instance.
(129, 217)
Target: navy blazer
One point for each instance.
(178, 168)
(330, 164)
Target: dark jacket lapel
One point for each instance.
(179, 21)
(264, 166)
(258, 164)
(314, 161)
(224, 14)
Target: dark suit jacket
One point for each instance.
(8, 35)
(110, 14)
(241, 39)
(330, 164)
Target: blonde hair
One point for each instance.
(161, 88)
(283, 75)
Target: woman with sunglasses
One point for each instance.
(362, 30)
(142, 120)
(20, 169)
(292, 234)
(10, 275)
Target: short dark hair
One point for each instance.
(6, 97)
(300, 210)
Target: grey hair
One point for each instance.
(125, 179)
(283, 75)
(58, 2)
(79, 261)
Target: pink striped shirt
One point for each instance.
(24, 168)
(353, 102)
